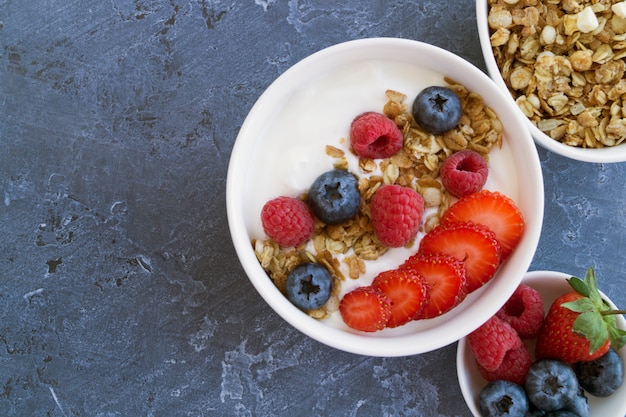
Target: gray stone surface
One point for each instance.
(120, 292)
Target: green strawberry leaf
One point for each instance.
(579, 286)
(580, 306)
(596, 318)
(592, 284)
(591, 326)
(617, 337)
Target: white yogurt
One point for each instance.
(291, 151)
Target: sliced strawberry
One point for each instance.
(473, 244)
(407, 291)
(494, 210)
(366, 309)
(445, 278)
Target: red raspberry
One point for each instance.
(524, 311)
(287, 221)
(374, 135)
(514, 367)
(396, 214)
(464, 173)
(491, 342)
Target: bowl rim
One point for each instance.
(463, 353)
(370, 344)
(599, 155)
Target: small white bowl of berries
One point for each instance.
(384, 197)
(555, 348)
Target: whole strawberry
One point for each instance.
(579, 326)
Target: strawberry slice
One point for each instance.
(366, 309)
(474, 244)
(445, 278)
(407, 291)
(494, 210)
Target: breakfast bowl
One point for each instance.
(563, 66)
(550, 286)
(282, 147)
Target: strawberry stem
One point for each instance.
(610, 312)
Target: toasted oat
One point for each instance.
(562, 61)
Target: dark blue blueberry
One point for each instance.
(602, 376)
(437, 109)
(334, 196)
(309, 286)
(551, 384)
(502, 398)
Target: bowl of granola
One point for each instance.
(295, 145)
(563, 65)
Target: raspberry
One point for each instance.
(396, 214)
(524, 311)
(374, 135)
(491, 342)
(287, 221)
(513, 368)
(464, 173)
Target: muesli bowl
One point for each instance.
(280, 150)
(551, 285)
(570, 96)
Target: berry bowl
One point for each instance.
(283, 146)
(550, 285)
(553, 70)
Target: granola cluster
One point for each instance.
(416, 166)
(563, 61)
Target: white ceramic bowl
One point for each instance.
(603, 155)
(280, 151)
(550, 285)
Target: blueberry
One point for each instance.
(551, 384)
(502, 398)
(334, 196)
(602, 376)
(309, 286)
(437, 109)
(578, 404)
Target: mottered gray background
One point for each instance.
(120, 291)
